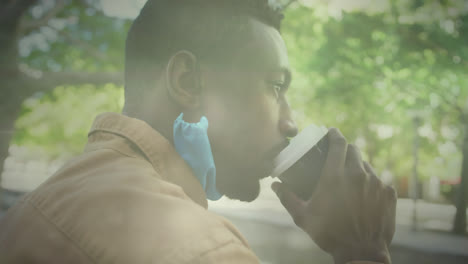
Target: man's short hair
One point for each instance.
(210, 29)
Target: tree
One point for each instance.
(363, 71)
(46, 44)
(66, 34)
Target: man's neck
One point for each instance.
(162, 125)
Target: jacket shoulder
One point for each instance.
(121, 211)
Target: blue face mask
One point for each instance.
(192, 143)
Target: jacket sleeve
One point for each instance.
(363, 262)
(234, 253)
(230, 253)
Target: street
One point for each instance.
(273, 236)
(275, 239)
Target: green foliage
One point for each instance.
(363, 72)
(82, 39)
(56, 124)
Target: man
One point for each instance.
(205, 114)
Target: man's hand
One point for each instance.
(351, 214)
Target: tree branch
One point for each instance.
(80, 43)
(13, 10)
(451, 102)
(287, 4)
(28, 26)
(448, 99)
(87, 4)
(395, 12)
(50, 80)
(37, 80)
(19, 84)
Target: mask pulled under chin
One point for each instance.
(192, 143)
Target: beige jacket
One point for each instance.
(129, 198)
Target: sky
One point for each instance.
(122, 8)
(131, 8)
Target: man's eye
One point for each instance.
(277, 87)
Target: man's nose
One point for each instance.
(287, 125)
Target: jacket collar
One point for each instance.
(155, 148)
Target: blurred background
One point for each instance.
(392, 75)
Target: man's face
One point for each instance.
(250, 119)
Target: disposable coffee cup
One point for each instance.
(300, 164)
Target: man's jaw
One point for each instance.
(276, 149)
(269, 161)
(240, 184)
(245, 184)
(246, 192)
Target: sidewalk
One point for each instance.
(432, 236)
(422, 240)
(431, 241)
(275, 239)
(270, 230)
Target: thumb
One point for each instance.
(293, 204)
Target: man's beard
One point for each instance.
(243, 185)
(245, 191)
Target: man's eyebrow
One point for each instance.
(284, 70)
(287, 75)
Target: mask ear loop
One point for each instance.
(198, 73)
(198, 84)
(199, 88)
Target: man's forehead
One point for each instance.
(264, 49)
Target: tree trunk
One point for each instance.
(9, 111)
(459, 224)
(12, 92)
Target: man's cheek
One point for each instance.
(217, 109)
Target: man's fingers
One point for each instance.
(336, 157)
(369, 168)
(293, 204)
(391, 212)
(388, 206)
(353, 155)
(354, 167)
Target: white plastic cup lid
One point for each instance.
(298, 147)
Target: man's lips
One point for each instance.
(269, 161)
(273, 153)
(267, 164)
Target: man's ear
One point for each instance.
(183, 80)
